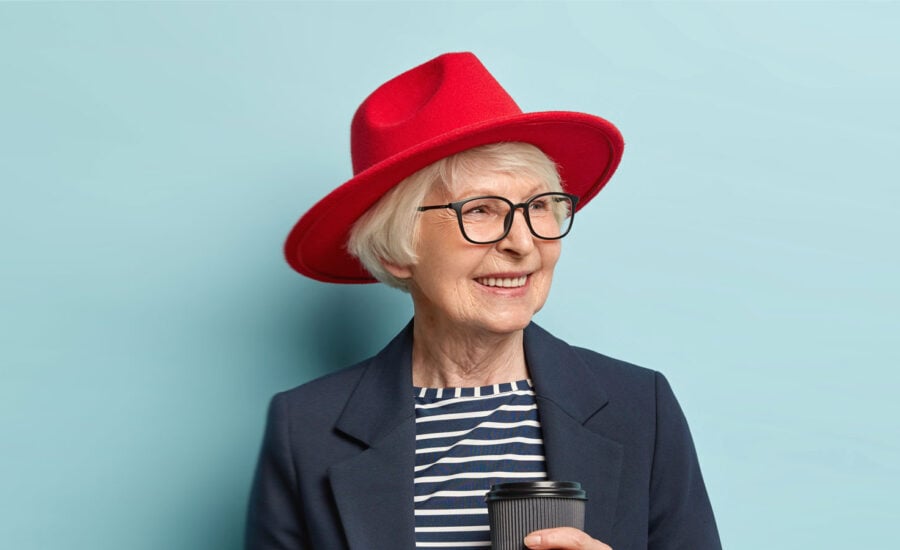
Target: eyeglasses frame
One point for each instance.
(510, 217)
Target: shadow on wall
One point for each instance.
(348, 323)
(309, 329)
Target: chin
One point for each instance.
(508, 325)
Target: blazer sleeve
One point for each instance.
(681, 516)
(274, 520)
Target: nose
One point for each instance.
(519, 240)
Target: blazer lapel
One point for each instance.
(374, 490)
(567, 397)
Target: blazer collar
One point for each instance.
(374, 490)
(382, 400)
(560, 376)
(569, 397)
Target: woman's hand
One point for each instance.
(563, 538)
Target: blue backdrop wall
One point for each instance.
(153, 157)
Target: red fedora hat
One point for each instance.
(443, 107)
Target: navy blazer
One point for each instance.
(336, 466)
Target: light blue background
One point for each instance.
(154, 156)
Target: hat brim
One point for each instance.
(586, 149)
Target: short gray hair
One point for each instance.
(388, 231)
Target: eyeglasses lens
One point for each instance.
(485, 220)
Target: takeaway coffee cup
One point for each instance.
(516, 509)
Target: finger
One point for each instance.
(563, 538)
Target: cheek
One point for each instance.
(551, 255)
(444, 280)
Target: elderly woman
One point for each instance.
(461, 200)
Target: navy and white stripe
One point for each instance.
(467, 439)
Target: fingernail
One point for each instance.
(532, 540)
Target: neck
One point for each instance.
(445, 357)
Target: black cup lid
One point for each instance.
(536, 489)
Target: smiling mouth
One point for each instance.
(513, 282)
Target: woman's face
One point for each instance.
(489, 287)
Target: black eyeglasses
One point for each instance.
(487, 220)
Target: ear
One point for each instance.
(399, 271)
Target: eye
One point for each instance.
(481, 208)
(540, 204)
(474, 208)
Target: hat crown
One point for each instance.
(440, 97)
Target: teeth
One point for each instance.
(505, 283)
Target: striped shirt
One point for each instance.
(467, 439)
